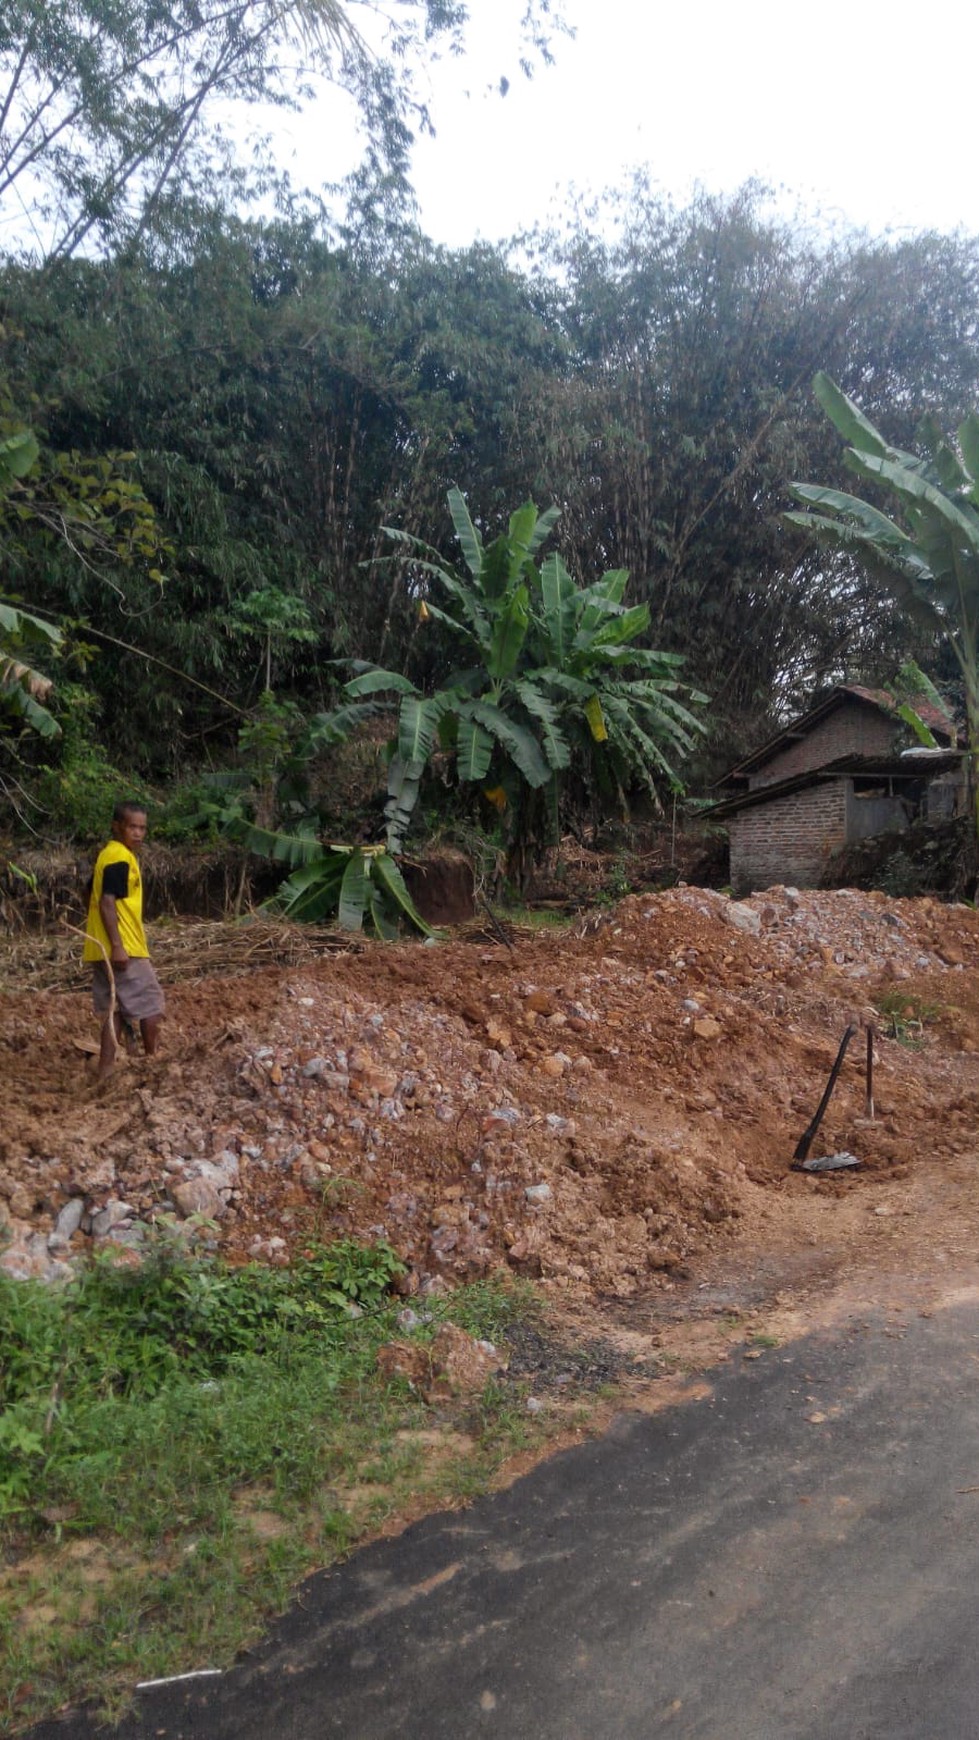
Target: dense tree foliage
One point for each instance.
(926, 555)
(110, 112)
(289, 391)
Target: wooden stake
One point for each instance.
(110, 1020)
(871, 1030)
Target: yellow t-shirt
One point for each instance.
(126, 885)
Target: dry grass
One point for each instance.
(182, 950)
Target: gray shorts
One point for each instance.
(139, 994)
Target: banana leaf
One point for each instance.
(302, 847)
(969, 443)
(850, 422)
(404, 779)
(311, 892)
(418, 722)
(376, 682)
(543, 529)
(540, 707)
(519, 743)
(509, 634)
(519, 533)
(912, 487)
(326, 730)
(469, 538)
(558, 599)
(385, 872)
(24, 625)
(18, 453)
(866, 518)
(384, 925)
(494, 575)
(20, 689)
(474, 751)
(596, 719)
(622, 628)
(353, 893)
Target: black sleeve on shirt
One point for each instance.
(115, 880)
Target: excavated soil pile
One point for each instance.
(594, 1108)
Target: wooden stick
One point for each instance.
(870, 1072)
(110, 1020)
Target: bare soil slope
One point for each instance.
(604, 1110)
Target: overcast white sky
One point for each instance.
(866, 113)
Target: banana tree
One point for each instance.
(361, 886)
(928, 561)
(25, 691)
(550, 684)
(553, 682)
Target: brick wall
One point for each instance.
(789, 839)
(853, 728)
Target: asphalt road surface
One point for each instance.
(794, 1556)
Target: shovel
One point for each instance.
(831, 1162)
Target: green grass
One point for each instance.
(905, 1015)
(536, 918)
(179, 1445)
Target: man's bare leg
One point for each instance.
(150, 1029)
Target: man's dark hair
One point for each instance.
(128, 807)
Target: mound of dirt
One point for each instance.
(597, 1109)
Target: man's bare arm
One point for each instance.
(109, 917)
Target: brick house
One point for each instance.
(848, 769)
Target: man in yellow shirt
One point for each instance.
(115, 925)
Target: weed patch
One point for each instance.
(181, 1443)
(905, 1015)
